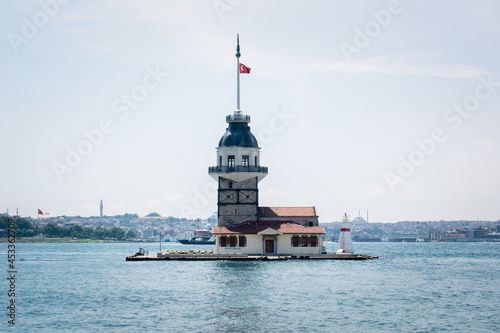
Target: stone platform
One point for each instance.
(197, 255)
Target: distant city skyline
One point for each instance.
(354, 218)
(389, 106)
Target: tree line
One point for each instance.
(25, 228)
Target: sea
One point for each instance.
(413, 287)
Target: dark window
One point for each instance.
(295, 241)
(310, 224)
(242, 241)
(232, 241)
(222, 241)
(230, 184)
(304, 240)
(256, 161)
(230, 161)
(314, 241)
(245, 161)
(220, 160)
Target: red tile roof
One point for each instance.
(287, 211)
(284, 227)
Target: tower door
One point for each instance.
(269, 244)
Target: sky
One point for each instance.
(386, 107)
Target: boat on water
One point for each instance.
(201, 237)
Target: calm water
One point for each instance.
(421, 287)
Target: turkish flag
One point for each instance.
(244, 69)
(40, 212)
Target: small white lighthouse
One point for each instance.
(345, 242)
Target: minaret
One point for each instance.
(345, 242)
(238, 169)
(101, 209)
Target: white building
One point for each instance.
(148, 233)
(269, 238)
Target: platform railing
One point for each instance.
(237, 168)
(238, 117)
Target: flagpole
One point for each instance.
(238, 54)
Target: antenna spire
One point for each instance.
(238, 54)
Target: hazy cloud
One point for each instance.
(422, 64)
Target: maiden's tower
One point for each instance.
(244, 226)
(245, 230)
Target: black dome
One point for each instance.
(238, 135)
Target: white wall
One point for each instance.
(285, 246)
(254, 246)
(238, 152)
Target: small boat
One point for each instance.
(197, 241)
(201, 237)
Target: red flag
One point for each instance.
(40, 212)
(244, 69)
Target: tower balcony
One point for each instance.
(237, 168)
(238, 173)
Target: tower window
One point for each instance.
(256, 164)
(230, 161)
(230, 184)
(220, 160)
(245, 160)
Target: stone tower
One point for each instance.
(238, 169)
(238, 173)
